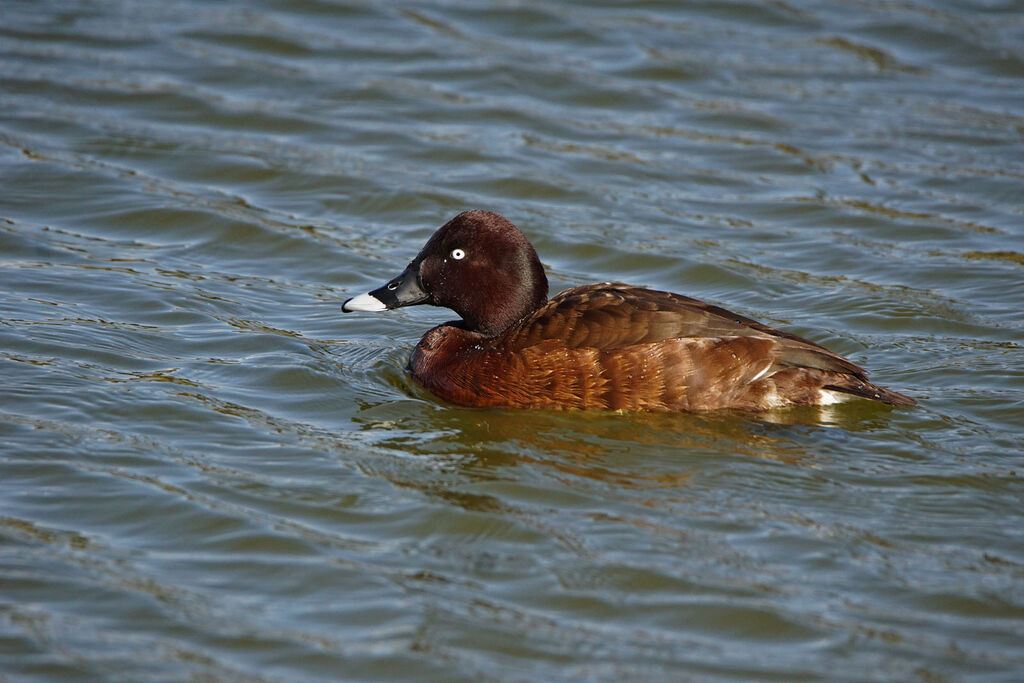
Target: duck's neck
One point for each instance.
(508, 301)
(502, 317)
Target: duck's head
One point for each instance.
(478, 264)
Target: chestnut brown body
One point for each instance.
(615, 347)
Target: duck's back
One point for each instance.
(618, 347)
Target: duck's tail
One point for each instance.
(858, 387)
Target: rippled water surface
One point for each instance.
(208, 472)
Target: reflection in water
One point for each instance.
(638, 451)
(426, 426)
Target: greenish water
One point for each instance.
(208, 472)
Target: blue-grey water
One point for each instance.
(207, 472)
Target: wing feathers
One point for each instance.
(661, 349)
(613, 316)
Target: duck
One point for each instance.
(607, 346)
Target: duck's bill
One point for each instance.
(404, 290)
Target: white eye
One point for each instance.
(458, 254)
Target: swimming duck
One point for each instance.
(605, 346)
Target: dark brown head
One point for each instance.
(479, 265)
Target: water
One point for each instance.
(208, 472)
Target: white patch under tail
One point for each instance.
(828, 397)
